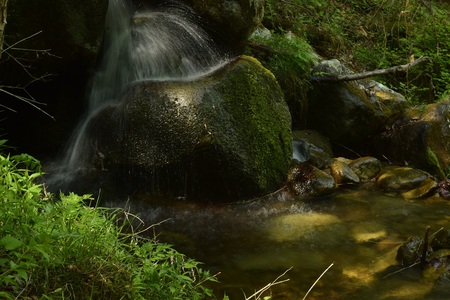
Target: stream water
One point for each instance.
(358, 230)
(252, 243)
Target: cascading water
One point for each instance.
(164, 43)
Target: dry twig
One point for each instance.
(277, 280)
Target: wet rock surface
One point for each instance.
(350, 113)
(204, 139)
(420, 137)
(394, 178)
(342, 173)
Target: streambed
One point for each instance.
(358, 230)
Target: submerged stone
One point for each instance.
(427, 188)
(410, 251)
(437, 267)
(400, 178)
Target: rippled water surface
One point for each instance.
(252, 243)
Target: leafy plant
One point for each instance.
(375, 34)
(64, 249)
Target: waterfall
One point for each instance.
(164, 42)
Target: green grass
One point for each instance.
(61, 248)
(375, 34)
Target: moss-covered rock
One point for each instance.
(224, 136)
(420, 137)
(350, 113)
(366, 167)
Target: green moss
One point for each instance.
(433, 162)
(254, 100)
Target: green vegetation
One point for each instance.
(374, 34)
(64, 249)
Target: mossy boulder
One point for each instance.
(350, 113)
(420, 137)
(225, 136)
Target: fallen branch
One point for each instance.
(391, 70)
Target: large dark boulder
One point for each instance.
(420, 137)
(225, 136)
(231, 20)
(71, 33)
(350, 113)
(71, 29)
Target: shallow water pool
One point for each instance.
(358, 230)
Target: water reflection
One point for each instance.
(359, 230)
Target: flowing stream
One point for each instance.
(252, 243)
(358, 230)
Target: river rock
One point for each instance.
(225, 136)
(301, 151)
(427, 188)
(420, 137)
(350, 113)
(231, 20)
(366, 167)
(318, 147)
(395, 178)
(308, 181)
(342, 173)
(410, 251)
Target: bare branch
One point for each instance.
(391, 70)
(22, 40)
(26, 100)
